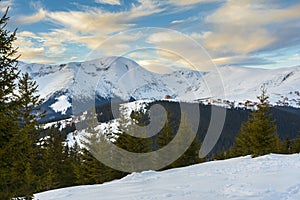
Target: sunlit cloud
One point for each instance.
(111, 2)
(153, 60)
(181, 49)
(156, 66)
(38, 16)
(89, 27)
(245, 26)
(232, 32)
(188, 2)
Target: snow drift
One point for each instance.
(269, 177)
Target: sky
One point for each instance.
(159, 35)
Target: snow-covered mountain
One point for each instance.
(268, 177)
(118, 77)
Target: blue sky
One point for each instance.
(248, 33)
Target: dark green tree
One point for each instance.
(285, 146)
(295, 145)
(258, 135)
(8, 64)
(8, 115)
(25, 140)
(90, 170)
(8, 76)
(133, 139)
(52, 159)
(29, 103)
(191, 154)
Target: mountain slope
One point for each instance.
(268, 177)
(118, 77)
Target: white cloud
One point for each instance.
(200, 36)
(152, 61)
(177, 21)
(5, 4)
(181, 49)
(156, 66)
(243, 27)
(90, 27)
(241, 60)
(295, 57)
(89, 22)
(188, 2)
(117, 45)
(111, 2)
(38, 16)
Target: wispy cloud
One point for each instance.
(89, 27)
(36, 17)
(5, 4)
(111, 2)
(181, 49)
(241, 60)
(233, 32)
(189, 2)
(248, 26)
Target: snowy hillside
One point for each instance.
(122, 78)
(269, 177)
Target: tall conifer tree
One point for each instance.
(8, 115)
(258, 135)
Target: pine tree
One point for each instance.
(29, 103)
(53, 158)
(188, 157)
(25, 140)
(8, 76)
(8, 64)
(285, 146)
(258, 135)
(57, 170)
(128, 138)
(67, 175)
(295, 145)
(90, 170)
(165, 136)
(8, 115)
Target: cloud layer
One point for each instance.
(233, 32)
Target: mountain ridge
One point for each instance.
(122, 78)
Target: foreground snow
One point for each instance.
(269, 177)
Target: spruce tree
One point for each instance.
(8, 115)
(129, 138)
(295, 145)
(25, 140)
(52, 159)
(188, 157)
(29, 103)
(8, 64)
(8, 76)
(165, 136)
(17, 122)
(258, 135)
(90, 170)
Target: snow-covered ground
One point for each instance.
(270, 177)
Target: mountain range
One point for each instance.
(118, 77)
